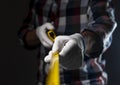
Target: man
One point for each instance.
(84, 32)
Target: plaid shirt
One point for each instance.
(89, 17)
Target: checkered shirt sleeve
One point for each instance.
(94, 19)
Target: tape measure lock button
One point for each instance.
(51, 34)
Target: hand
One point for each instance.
(41, 33)
(71, 50)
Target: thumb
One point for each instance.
(59, 43)
(67, 47)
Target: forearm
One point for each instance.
(31, 38)
(95, 37)
(28, 38)
(93, 43)
(101, 29)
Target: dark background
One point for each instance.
(18, 66)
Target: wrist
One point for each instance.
(31, 38)
(79, 38)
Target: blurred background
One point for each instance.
(18, 66)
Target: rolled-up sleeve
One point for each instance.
(99, 32)
(29, 23)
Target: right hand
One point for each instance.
(41, 33)
(71, 51)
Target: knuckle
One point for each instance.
(58, 38)
(47, 24)
(73, 41)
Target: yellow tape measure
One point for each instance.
(51, 34)
(53, 77)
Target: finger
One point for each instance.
(48, 57)
(46, 44)
(68, 46)
(49, 26)
(45, 38)
(59, 43)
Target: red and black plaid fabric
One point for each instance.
(74, 16)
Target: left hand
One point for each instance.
(41, 32)
(70, 48)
